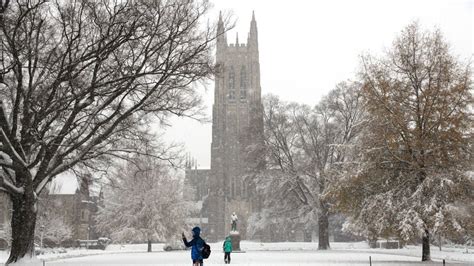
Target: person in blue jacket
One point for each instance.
(197, 245)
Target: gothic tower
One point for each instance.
(237, 129)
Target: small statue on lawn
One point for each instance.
(234, 220)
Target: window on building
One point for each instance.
(231, 85)
(232, 190)
(83, 215)
(239, 190)
(243, 83)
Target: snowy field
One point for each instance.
(261, 254)
(249, 258)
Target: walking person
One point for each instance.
(227, 246)
(197, 245)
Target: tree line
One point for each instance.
(391, 150)
(80, 82)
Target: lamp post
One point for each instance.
(41, 236)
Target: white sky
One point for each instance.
(308, 46)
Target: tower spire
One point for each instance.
(236, 39)
(220, 25)
(253, 34)
(221, 35)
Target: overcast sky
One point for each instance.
(307, 46)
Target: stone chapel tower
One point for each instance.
(237, 132)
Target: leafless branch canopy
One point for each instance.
(79, 79)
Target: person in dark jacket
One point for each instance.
(227, 249)
(197, 245)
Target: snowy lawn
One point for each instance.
(290, 253)
(261, 258)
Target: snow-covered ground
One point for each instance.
(261, 258)
(288, 253)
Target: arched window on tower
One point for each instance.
(232, 189)
(231, 85)
(243, 83)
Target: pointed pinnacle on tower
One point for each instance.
(221, 35)
(220, 24)
(253, 22)
(236, 39)
(253, 34)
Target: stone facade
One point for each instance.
(78, 210)
(237, 134)
(196, 184)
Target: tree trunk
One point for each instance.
(149, 245)
(426, 246)
(372, 239)
(307, 235)
(23, 226)
(323, 224)
(440, 241)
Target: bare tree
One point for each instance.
(52, 226)
(415, 151)
(143, 203)
(308, 145)
(287, 194)
(80, 79)
(326, 137)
